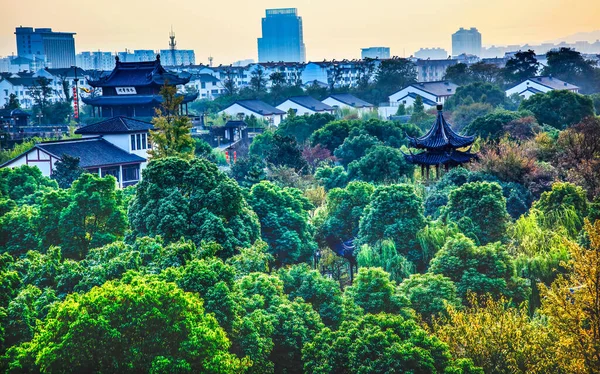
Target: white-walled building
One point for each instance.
(534, 85)
(432, 93)
(342, 101)
(305, 105)
(259, 109)
(117, 146)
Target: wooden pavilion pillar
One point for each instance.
(427, 172)
(437, 171)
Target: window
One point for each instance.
(139, 141)
(114, 171)
(131, 173)
(203, 85)
(143, 141)
(133, 142)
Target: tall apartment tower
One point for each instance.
(56, 48)
(375, 52)
(466, 41)
(282, 38)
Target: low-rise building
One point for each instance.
(259, 109)
(432, 93)
(305, 105)
(117, 146)
(348, 101)
(534, 85)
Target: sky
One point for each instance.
(228, 30)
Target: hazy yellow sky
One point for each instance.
(227, 29)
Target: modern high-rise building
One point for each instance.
(56, 48)
(466, 41)
(96, 60)
(282, 38)
(375, 52)
(431, 53)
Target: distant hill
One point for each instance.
(590, 36)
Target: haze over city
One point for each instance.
(227, 30)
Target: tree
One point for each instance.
(322, 293)
(569, 65)
(479, 209)
(278, 150)
(343, 209)
(381, 164)
(458, 74)
(13, 102)
(58, 112)
(192, 199)
(354, 148)
(491, 126)
(331, 177)
(18, 230)
(229, 82)
(333, 134)
(381, 343)
(302, 127)
(23, 182)
(559, 108)
(41, 93)
(393, 74)
(384, 255)
(396, 213)
(248, 171)
(171, 136)
(481, 270)
(464, 115)
(479, 92)
(163, 313)
(283, 214)
(375, 292)
(93, 216)
(66, 171)
(258, 81)
(571, 305)
(430, 294)
(498, 337)
(565, 205)
(521, 66)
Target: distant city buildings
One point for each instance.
(56, 49)
(95, 60)
(431, 53)
(375, 52)
(466, 42)
(282, 38)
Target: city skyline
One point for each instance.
(231, 35)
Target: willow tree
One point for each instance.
(171, 136)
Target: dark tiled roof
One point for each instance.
(441, 136)
(310, 103)
(136, 74)
(203, 77)
(6, 113)
(439, 88)
(27, 82)
(131, 100)
(67, 72)
(351, 100)
(440, 158)
(414, 96)
(555, 84)
(116, 125)
(91, 152)
(531, 89)
(259, 107)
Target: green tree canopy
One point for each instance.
(354, 148)
(66, 171)
(192, 199)
(521, 66)
(479, 92)
(492, 125)
(429, 294)
(381, 164)
(285, 227)
(302, 127)
(559, 108)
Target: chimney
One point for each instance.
(439, 107)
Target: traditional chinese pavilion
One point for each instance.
(132, 89)
(441, 146)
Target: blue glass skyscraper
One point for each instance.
(281, 37)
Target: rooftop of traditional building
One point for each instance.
(115, 125)
(441, 136)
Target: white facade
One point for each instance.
(336, 104)
(236, 111)
(535, 85)
(298, 109)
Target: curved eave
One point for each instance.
(440, 158)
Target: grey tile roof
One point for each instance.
(414, 96)
(441, 137)
(438, 88)
(92, 152)
(351, 100)
(554, 83)
(259, 107)
(310, 103)
(115, 125)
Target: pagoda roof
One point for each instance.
(136, 74)
(115, 125)
(451, 157)
(441, 136)
(131, 100)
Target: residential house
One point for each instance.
(117, 146)
(259, 109)
(305, 105)
(534, 85)
(342, 101)
(432, 93)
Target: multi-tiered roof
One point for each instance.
(441, 145)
